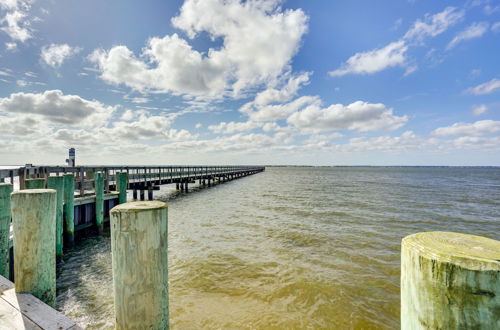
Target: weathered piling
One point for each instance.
(57, 183)
(69, 209)
(34, 183)
(99, 201)
(450, 281)
(139, 232)
(121, 186)
(34, 223)
(5, 191)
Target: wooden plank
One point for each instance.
(24, 311)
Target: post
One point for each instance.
(69, 209)
(139, 232)
(99, 201)
(34, 183)
(450, 280)
(121, 179)
(134, 194)
(141, 194)
(150, 193)
(5, 191)
(57, 183)
(34, 223)
(82, 181)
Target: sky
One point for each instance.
(268, 82)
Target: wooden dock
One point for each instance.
(24, 311)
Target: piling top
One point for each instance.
(33, 191)
(139, 206)
(467, 251)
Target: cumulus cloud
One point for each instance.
(54, 55)
(478, 128)
(394, 54)
(360, 116)
(15, 23)
(258, 41)
(233, 127)
(56, 107)
(496, 27)
(475, 30)
(479, 109)
(485, 88)
(374, 60)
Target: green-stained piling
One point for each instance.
(99, 201)
(450, 281)
(121, 186)
(34, 223)
(57, 183)
(139, 232)
(69, 209)
(5, 191)
(34, 183)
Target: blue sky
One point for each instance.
(256, 82)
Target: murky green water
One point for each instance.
(292, 248)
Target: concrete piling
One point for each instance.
(34, 223)
(57, 183)
(121, 186)
(5, 191)
(69, 209)
(34, 183)
(99, 201)
(450, 281)
(139, 232)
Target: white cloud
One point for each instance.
(258, 41)
(375, 60)
(475, 30)
(433, 25)
(15, 23)
(485, 88)
(479, 110)
(394, 54)
(478, 128)
(11, 46)
(57, 108)
(54, 55)
(496, 27)
(406, 141)
(360, 116)
(198, 126)
(278, 111)
(233, 127)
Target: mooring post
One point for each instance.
(141, 194)
(99, 201)
(5, 191)
(57, 183)
(139, 232)
(34, 183)
(134, 194)
(69, 209)
(150, 193)
(121, 179)
(450, 280)
(34, 223)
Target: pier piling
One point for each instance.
(57, 183)
(69, 209)
(121, 186)
(450, 281)
(34, 183)
(99, 201)
(5, 191)
(139, 232)
(34, 224)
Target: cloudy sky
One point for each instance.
(250, 82)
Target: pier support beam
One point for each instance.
(150, 193)
(177, 185)
(34, 223)
(57, 183)
(34, 183)
(5, 191)
(134, 194)
(121, 186)
(69, 209)
(450, 280)
(99, 202)
(139, 232)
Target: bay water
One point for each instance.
(292, 247)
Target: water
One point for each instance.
(292, 248)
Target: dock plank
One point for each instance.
(24, 311)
